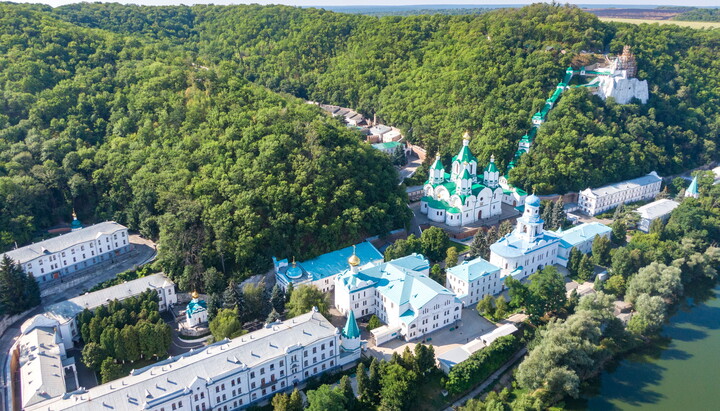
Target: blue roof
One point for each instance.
(470, 271)
(581, 233)
(533, 200)
(402, 281)
(332, 263)
(388, 145)
(195, 306)
(513, 245)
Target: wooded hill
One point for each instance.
(182, 122)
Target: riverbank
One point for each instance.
(679, 370)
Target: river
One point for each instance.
(679, 372)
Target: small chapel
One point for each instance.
(196, 311)
(462, 197)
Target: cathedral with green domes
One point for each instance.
(461, 197)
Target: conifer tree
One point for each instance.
(363, 382)
(347, 392)
(558, 214)
(451, 257)
(479, 246)
(491, 236)
(619, 212)
(601, 250)
(374, 382)
(277, 299)
(574, 261)
(586, 269)
(272, 317)
(296, 402)
(547, 213)
(505, 228)
(619, 232)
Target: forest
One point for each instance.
(188, 124)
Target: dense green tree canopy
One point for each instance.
(168, 119)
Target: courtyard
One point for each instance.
(508, 212)
(471, 326)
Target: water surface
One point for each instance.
(679, 372)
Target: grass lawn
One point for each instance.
(461, 248)
(693, 24)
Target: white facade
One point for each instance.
(528, 248)
(64, 312)
(43, 366)
(401, 294)
(581, 237)
(196, 311)
(462, 197)
(657, 209)
(472, 280)
(227, 375)
(58, 256)
(622, 88)
(597, 200)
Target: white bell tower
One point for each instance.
(530, 225)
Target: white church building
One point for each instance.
(400, 293)
(529, 248)
(461, 197)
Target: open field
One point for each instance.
(693, 24)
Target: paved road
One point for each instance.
(410, 168)
(490, 380)
(177, 345)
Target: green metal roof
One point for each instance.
(391, 144)
(453, 210)
(437, 204)
(437, 165)
(465, 156)
(477, 188)
(466, 174)
(693, 188)
(351, 329)
(491, 168)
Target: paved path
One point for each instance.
(490, 380)
(409, 169)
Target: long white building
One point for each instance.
(530, 248)
(322, 270)
(63, 314)
(227, 375)
(597, 200)
(65, 254)
(43, 366)
(657, 209)
(400, 293)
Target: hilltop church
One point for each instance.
(461, 197)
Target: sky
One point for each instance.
(395, 2)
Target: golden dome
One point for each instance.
(195, 295)
(354, 260)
